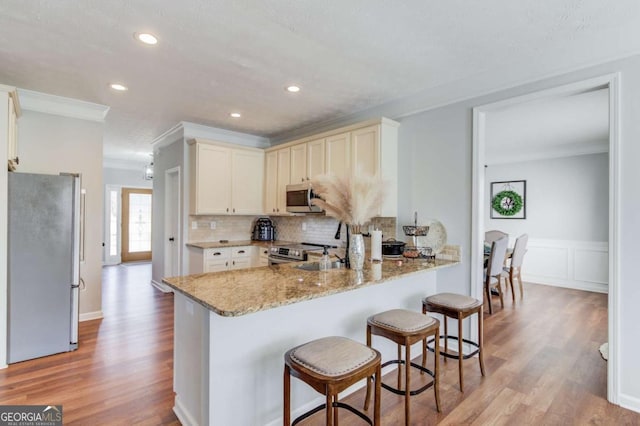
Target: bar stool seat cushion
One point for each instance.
(453, 301)
(333, 356)
(402, 320)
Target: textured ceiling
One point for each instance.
(550, 127)
(220, 56)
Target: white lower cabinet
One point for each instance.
(222, 259)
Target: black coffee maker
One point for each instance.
(264, 230)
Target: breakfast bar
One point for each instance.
(232, 329)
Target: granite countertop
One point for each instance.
(243, 291)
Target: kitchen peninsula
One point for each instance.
(232, 329)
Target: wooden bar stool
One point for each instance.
(459, 307)
(330, 365)
(406, 328)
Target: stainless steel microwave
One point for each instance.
(299, 198)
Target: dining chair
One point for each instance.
(493, 273)
(493, 235)
(514, 270)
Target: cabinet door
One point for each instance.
(216, 265)
(315, 158)
(299, 163)
(338, 153)
(284, 166)
(12, 133)
(212, 180)
(247, 175)
(241, 263)
(365, 150)
(271, 182)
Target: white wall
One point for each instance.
(126, 178)
(567, 198)
(4, 112)
(436, 162)
(116, 179)
(52, 144)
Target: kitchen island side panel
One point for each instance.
(246, 353)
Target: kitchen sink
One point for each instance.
(315, 266)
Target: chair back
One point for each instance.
(493, 235)
(519, 249)
(496, 259)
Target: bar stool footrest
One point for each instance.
(457, 356)
(335, 405)
(413, 392)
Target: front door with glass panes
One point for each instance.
(136, 224)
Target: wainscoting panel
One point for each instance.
(583, 265)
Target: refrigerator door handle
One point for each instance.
(75, 284)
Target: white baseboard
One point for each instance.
(576, 285)
(630, 403)
(162, 287)
(182, 414)
(88, 316)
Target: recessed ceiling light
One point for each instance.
(293, 89)
(235, 115)
(146, 38)
(119, 87)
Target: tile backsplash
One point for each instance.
(310, 228)
(322, 229)
(232, 228)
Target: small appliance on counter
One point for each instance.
(263, 230)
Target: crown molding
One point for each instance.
(65, 107)
(187, 130)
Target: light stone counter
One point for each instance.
(232, 328)
(239, 243)
(240, 292)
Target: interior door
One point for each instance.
(136, 224)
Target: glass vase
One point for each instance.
(356, 251)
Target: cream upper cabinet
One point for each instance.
(277, 177)
(338, 154)
(210, 179)
(307, 161)
(284, 170)
(299, 163)
(271, 182)
(315, 158)
(365, 150)
(225, 180)
(10, 120)
(247, 169)
(369, 147)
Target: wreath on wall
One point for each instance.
(507, 203)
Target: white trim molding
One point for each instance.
(612, 82)
(161, 286)
(88, 316)
(187, 130)
(65, 107)
(581, 265)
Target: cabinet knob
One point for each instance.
(234, 210)
(274, 210)
(302, 179)
(240, 251)
(172, 239)
(227, 209)
(226, 263)
(217, 253)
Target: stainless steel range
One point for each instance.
(293, 252)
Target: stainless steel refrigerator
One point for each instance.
(43, 264)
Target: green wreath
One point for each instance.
(507, 203)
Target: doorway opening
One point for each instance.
(479, 197)
(136, 224)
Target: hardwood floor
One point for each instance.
(541, 355)
(122, 373)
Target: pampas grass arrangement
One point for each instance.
(352, 199)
